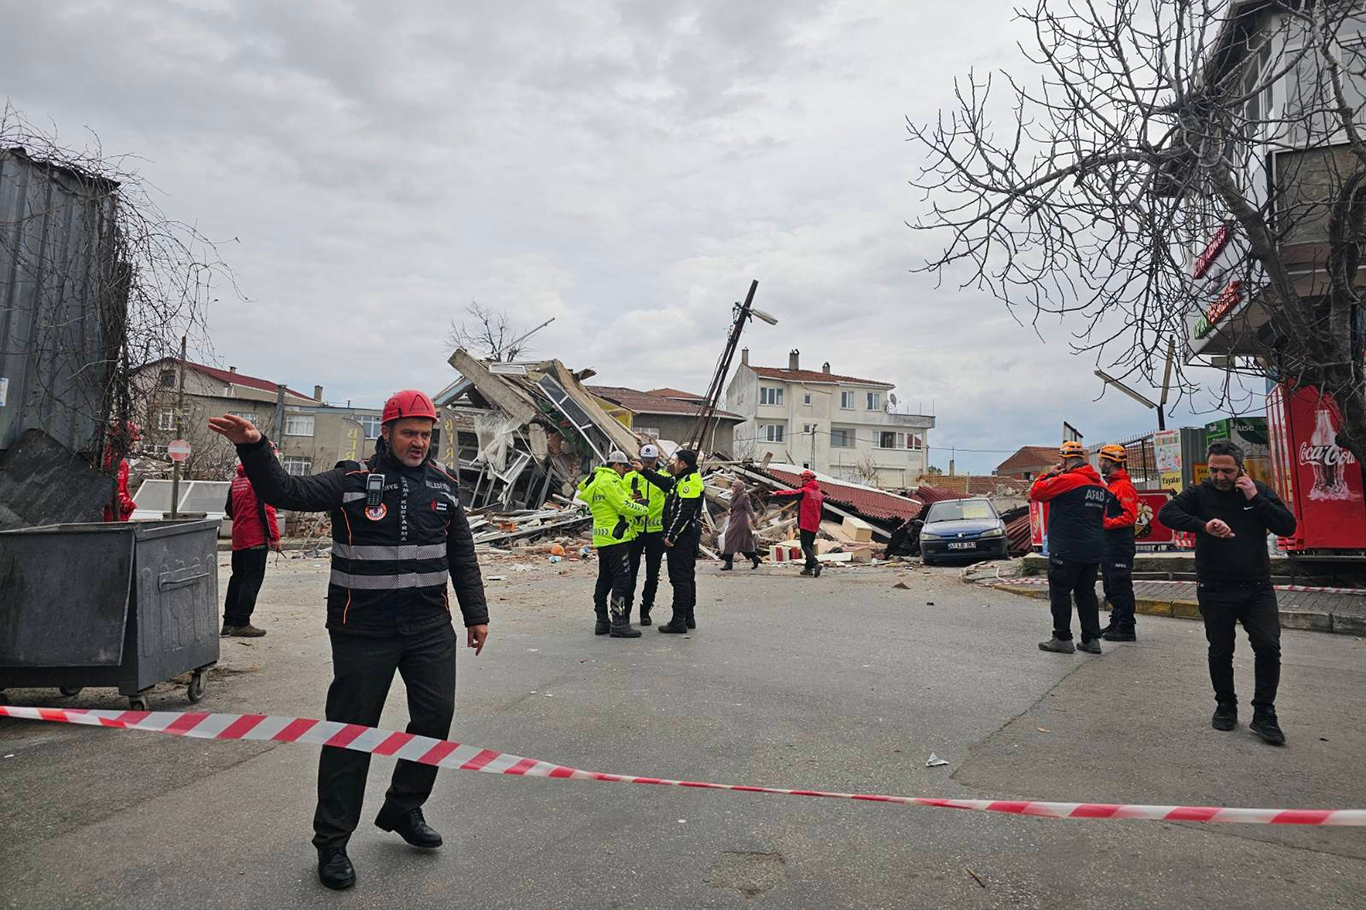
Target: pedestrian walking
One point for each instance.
(1077, 502)
(648, 544)
(739, 537)
(811, 503)
(1231, 515)
(398, 532)
(254, 534)
(1117, 571)
(683, 489)
(615, 512)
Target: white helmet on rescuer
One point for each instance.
(617, 456)
(649, 451)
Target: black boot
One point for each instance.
(334, 868)
(621, 621)
(729, 563)
(645, 614)
(410, 826)
(754, 558)
(601, 626)
(1225, 717)
(1117, 634)
(1264, 725)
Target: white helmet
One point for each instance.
(617, 456)
(649, 451)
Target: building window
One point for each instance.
(247, 415)
(914, 442)
(888, 440)
(874, 401)
(772, 432)
(168, 379)
(842, 439)
(806, 399)
(166, 419)
(298, 424)
(298, 465)
(847, 400)
(808, 429)
(370, 425)
(771, 395)
(652, 432)
(154, 451)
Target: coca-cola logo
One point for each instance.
(1325, 455)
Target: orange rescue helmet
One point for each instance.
(1114, 453)
(408, 403)
(1072, 449)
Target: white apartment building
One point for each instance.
(838, 425)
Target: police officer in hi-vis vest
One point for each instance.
(398, 532)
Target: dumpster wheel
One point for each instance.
(138, 703)
(195, 690)
(69, 691)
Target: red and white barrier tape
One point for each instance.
(1307, 589)
(447, 754)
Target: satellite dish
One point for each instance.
(892, 399)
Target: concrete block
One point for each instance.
(1349, 616)
(1307, 620)
(1185, 609)
(857, 529)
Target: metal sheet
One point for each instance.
(61, 308)
(43, 483)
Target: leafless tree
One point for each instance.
(488, 332)
(1165, 165)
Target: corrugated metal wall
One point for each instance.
(61, 309)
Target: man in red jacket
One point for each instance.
(1117, 571)
(1077, 502)
(254, 535)
(122, 437)
(811, 501)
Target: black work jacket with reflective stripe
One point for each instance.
(390, 563)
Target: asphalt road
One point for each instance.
(841, 683)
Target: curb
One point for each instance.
(1340, 622)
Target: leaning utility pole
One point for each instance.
(742, 313)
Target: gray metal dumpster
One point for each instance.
(126, 604)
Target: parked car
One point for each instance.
(962, 529)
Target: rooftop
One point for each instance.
(651, 402)
(866, 501)
(1028, 457)
(229, 376)
(815, 376)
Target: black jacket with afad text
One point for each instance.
(1239, 561)
(390, 562)
(1077, 503)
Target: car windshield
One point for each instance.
(959, 510)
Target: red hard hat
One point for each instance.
(408, 403)
(808, 475)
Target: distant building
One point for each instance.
(838, 425)
(667, 414)
(1028, 463)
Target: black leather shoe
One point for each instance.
(334, 868)
(1090, 647)
(1264, 725)
(645, 618)
(671, 629)
(1225, 717)
(1118, 635)
(410, 826)
(691, 624)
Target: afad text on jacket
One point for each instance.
(1077, 503)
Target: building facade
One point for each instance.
(838, 425)
(667, 414)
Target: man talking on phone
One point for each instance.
(1231, 514)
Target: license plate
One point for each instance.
(963, 545)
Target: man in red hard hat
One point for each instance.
(811, 500)
(398, 532)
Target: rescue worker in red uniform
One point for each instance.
(121, 438)
(254, 534)
(1117, 571)
(398, 532)
(812, 502)
(1077, 502)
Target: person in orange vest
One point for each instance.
(1117, 571)
(1077, 502)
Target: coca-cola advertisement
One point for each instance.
(1319, 480)
(1148, 532)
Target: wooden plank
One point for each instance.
(497, 390)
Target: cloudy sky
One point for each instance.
(625, 167)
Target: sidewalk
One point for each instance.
(1314, 611)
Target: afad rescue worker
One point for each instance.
(398, 532)
(812, 502)
(682, 533)
(1077, 503)
(1117, 571)
(649, 540)
(614, 527)
(1231, 514)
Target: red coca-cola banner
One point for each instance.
(1319, 480)
(1148, 532)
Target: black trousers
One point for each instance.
(248, 571)
(682, 558)
(1117, 576)
(1255, 607)
(1067, 581)
(614, 579)
(808, 539)
(651, 547)
(362, 670)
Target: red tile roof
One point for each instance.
(227, 376)
(812, 376)
(1028, 457)
(667, 392)
(650, 403)
(872, 503)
